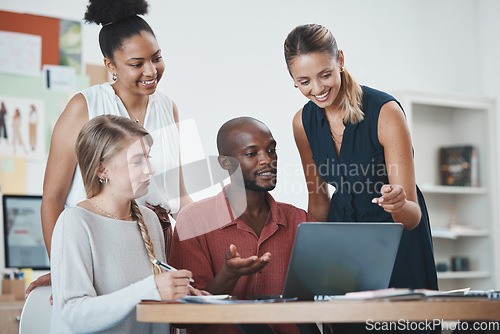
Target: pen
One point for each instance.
(170, 268)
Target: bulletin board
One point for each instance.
(46, 27)
(24, 88)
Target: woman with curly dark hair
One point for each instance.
(133, 58)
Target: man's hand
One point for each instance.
(234, 267)
(237, 266)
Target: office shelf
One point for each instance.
(463, 274)
(463, 219)
(433, 189)
(458, 232)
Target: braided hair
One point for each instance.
(99, 140)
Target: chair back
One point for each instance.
(37, 312)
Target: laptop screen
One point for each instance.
(334, 258)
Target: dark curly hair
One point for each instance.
(119, 20)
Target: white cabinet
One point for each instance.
(463, 219)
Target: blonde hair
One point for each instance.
(100, 139)
(314, 38)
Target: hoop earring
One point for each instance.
(114, 77)
(342, 69)
(295, 85)
(103, 180)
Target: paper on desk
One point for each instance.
(227, 299)
(206, 298)
(390, 293)
(212, 299)
(405, 294)
(436, 293)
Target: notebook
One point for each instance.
(335, 258)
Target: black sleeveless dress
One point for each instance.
(358, 173)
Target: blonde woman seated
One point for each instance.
(104, 249)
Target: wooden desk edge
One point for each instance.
(333, 311)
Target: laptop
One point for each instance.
(331, 259)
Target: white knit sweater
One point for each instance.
(101, 271)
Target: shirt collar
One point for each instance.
(224, 209)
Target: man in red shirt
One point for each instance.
(232, 245)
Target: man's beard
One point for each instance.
(251, 184)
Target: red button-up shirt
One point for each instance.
(204, 231)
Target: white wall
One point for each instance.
(225, 58)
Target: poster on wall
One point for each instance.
(60, 78)
(70, 44)
(21, 53)
(22, 127)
